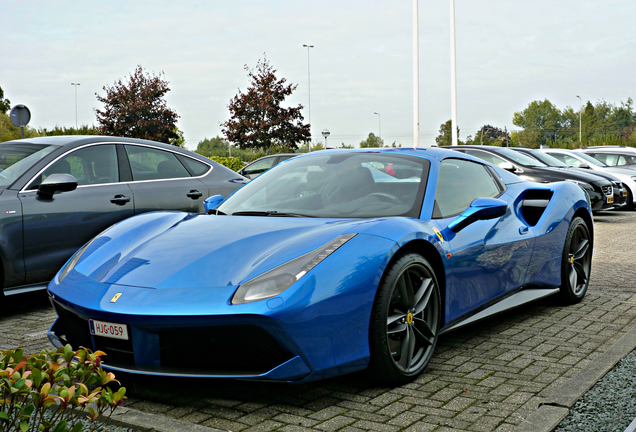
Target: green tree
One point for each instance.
(213, 147)
(9, 132)
(180, 140)
(138, 109)
(5, 104)
(541, 121)
(445, 137)
(490, 135)
(371, 141)
(257, 118)
(63, 130)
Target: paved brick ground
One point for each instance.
(487, 377)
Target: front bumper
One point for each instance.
(184, 347)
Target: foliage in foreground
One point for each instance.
(51, 391)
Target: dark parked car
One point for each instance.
(56, 193)
(600, 190)
(620, 191)
(259, 166)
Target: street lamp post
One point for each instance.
(308, 89)
(379, 126)
(326, 133)
(580, 119)
(75, 85)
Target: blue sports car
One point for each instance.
(329, 263)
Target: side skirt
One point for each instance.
(25, 288)
(515, 300)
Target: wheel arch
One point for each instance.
(585, 215)
(432, 255)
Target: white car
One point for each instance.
(614, 156)
(577, 158)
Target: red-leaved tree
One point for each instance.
(137, 109)
(257, 119)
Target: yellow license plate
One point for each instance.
(610, 200)
(624, 193)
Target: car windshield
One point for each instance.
(590, 159)
(16, 159)
(519, 158)
(335, 185)
(549, 160)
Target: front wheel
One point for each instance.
(405, 320)
(576, 262)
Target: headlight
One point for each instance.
(277, 280)
(70, 265)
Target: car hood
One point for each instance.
(178, 250)
(561, 174)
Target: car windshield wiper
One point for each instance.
(268, 213)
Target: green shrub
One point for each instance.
(52, 391)
(232, 163)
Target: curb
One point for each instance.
(557, 406)
(146, 422)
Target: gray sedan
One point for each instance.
(56, 193)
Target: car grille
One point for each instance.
(236, 350)
(608, 190)
(76, 332)
(245, 350)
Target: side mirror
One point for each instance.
(210, 203)
(583, 165)
(479, 209)
(56, 183)
(507, 166)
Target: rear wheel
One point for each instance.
(405, 320)
(576, 262)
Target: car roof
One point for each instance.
(71, 140)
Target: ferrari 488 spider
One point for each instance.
(329, 263)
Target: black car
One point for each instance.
(620, 192)
(259, 166)
(600, 190)
(56, 193)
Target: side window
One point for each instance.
(149, 163)
(90, 165)
(260, 166)
(459, 183)
(196, 168)
(622, 160)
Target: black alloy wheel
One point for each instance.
(576, 262)
(406, 320)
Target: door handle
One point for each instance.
(120, 199)
(194, 194)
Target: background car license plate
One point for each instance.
(610, 199)
(106, 329)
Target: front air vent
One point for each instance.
(534, 204)
(608, 190)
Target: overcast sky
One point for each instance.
(509, 53)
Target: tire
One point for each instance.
(405, 320)
(630, 200)
(576, 262)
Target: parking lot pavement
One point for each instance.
(490, 376)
